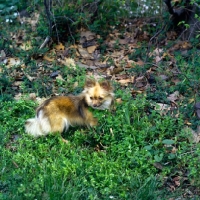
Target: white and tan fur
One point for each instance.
(58, 113)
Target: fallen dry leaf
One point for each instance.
(158, 59)
(130, 63)
(175, 80)
(12, 61)
(125, 82)
(40, 100)
(59, 77)
(18, 36)
(85, 66)
(17, 83)
(119, 100)
(26, 46)
(187, 122)
(30, 78)
(47, 58)
(18, 96)
(50, 56)
(163, 108)
(164, 77)
(158, 165)
(123, 41)
(167, 55)
(91, 49)
(193, 136)
(32, 96)
(156, 52)
(136, 92)
(60, 47)
(139, 63)
(69, 62)
(191, 100)
(117, 54)
(186, 45)
(141, 82)
(171, 35)
(173, 97)
(100, 64)
(2, 55)
(33, 20)
(84, 53)
(114, 70)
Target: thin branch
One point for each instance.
(48, 6)
(55, 27)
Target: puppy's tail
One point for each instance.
(37, 126)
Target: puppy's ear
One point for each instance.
(89, 83)
(106, 85)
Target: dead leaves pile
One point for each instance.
(114, 62)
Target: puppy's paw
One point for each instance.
(94, 122)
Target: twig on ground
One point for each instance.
(46, 41)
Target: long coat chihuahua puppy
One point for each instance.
(58, 113)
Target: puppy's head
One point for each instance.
(98, 95)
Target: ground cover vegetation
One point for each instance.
(145, 147)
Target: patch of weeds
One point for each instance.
(11, 120)
(9, 11)
(189, 73)
(116, 44)
(140, 53)
(5, 88)
(159, 95)
(42, 27)
(102, 46)
(74, 79)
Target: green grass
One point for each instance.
(112, 161)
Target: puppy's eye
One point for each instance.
(91, 98)
(100, 98)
